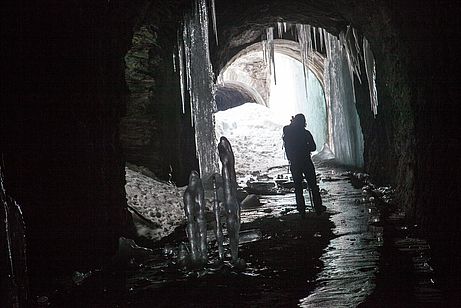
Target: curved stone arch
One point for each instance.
(260, 84)
(243, 88)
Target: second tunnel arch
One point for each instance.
(342, 131)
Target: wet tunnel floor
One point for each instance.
(327, 260)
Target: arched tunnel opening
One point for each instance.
(255, 130)
(285, 90)
(98, 122)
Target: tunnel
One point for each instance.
(89, 87)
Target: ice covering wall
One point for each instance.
(346, 139)
(196, 75)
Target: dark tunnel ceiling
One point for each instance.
(241, 23)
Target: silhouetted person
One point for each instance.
(299, 144)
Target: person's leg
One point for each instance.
(311, 179)
(296, 172)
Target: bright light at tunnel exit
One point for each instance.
(288, 97)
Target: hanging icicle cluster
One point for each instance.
(370, 67)
(197, 81)
(268, 52)
(303, 33)
(314, 39)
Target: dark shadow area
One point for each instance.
(229, 97)
(281, 268)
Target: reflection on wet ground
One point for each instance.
(351, 258)
(327, 260)
(349, 261)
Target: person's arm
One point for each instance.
(310, 141)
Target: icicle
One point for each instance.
(284, 27)
(357, 46)
(200, 84)
(213, 16)
(321, 38)
(351, 50)
(187, 38)
(370, 68)
(270, 51)
(315, 37)
(174, 62)
(181, 74)
(279, 29)
(264, 48)
(327, 37)
(294, 33)
(305, 46)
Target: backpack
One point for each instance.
(298, 143)
(289, 142)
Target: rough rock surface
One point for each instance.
(159, 202)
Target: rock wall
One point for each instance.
(154, 132)
(63, 92)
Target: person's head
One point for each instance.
(299, 120)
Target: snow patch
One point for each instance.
(255, 135)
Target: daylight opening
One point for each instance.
(254, 128)
(251, 76)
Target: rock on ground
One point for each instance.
(160, 203)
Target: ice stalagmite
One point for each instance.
(199, 78)
(217, 213)
(194, 208)
(370, 68)
(13, 237)
(231, 204)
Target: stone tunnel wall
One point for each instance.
(154, 133)
(63, 92)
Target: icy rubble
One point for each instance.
(160, 203)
